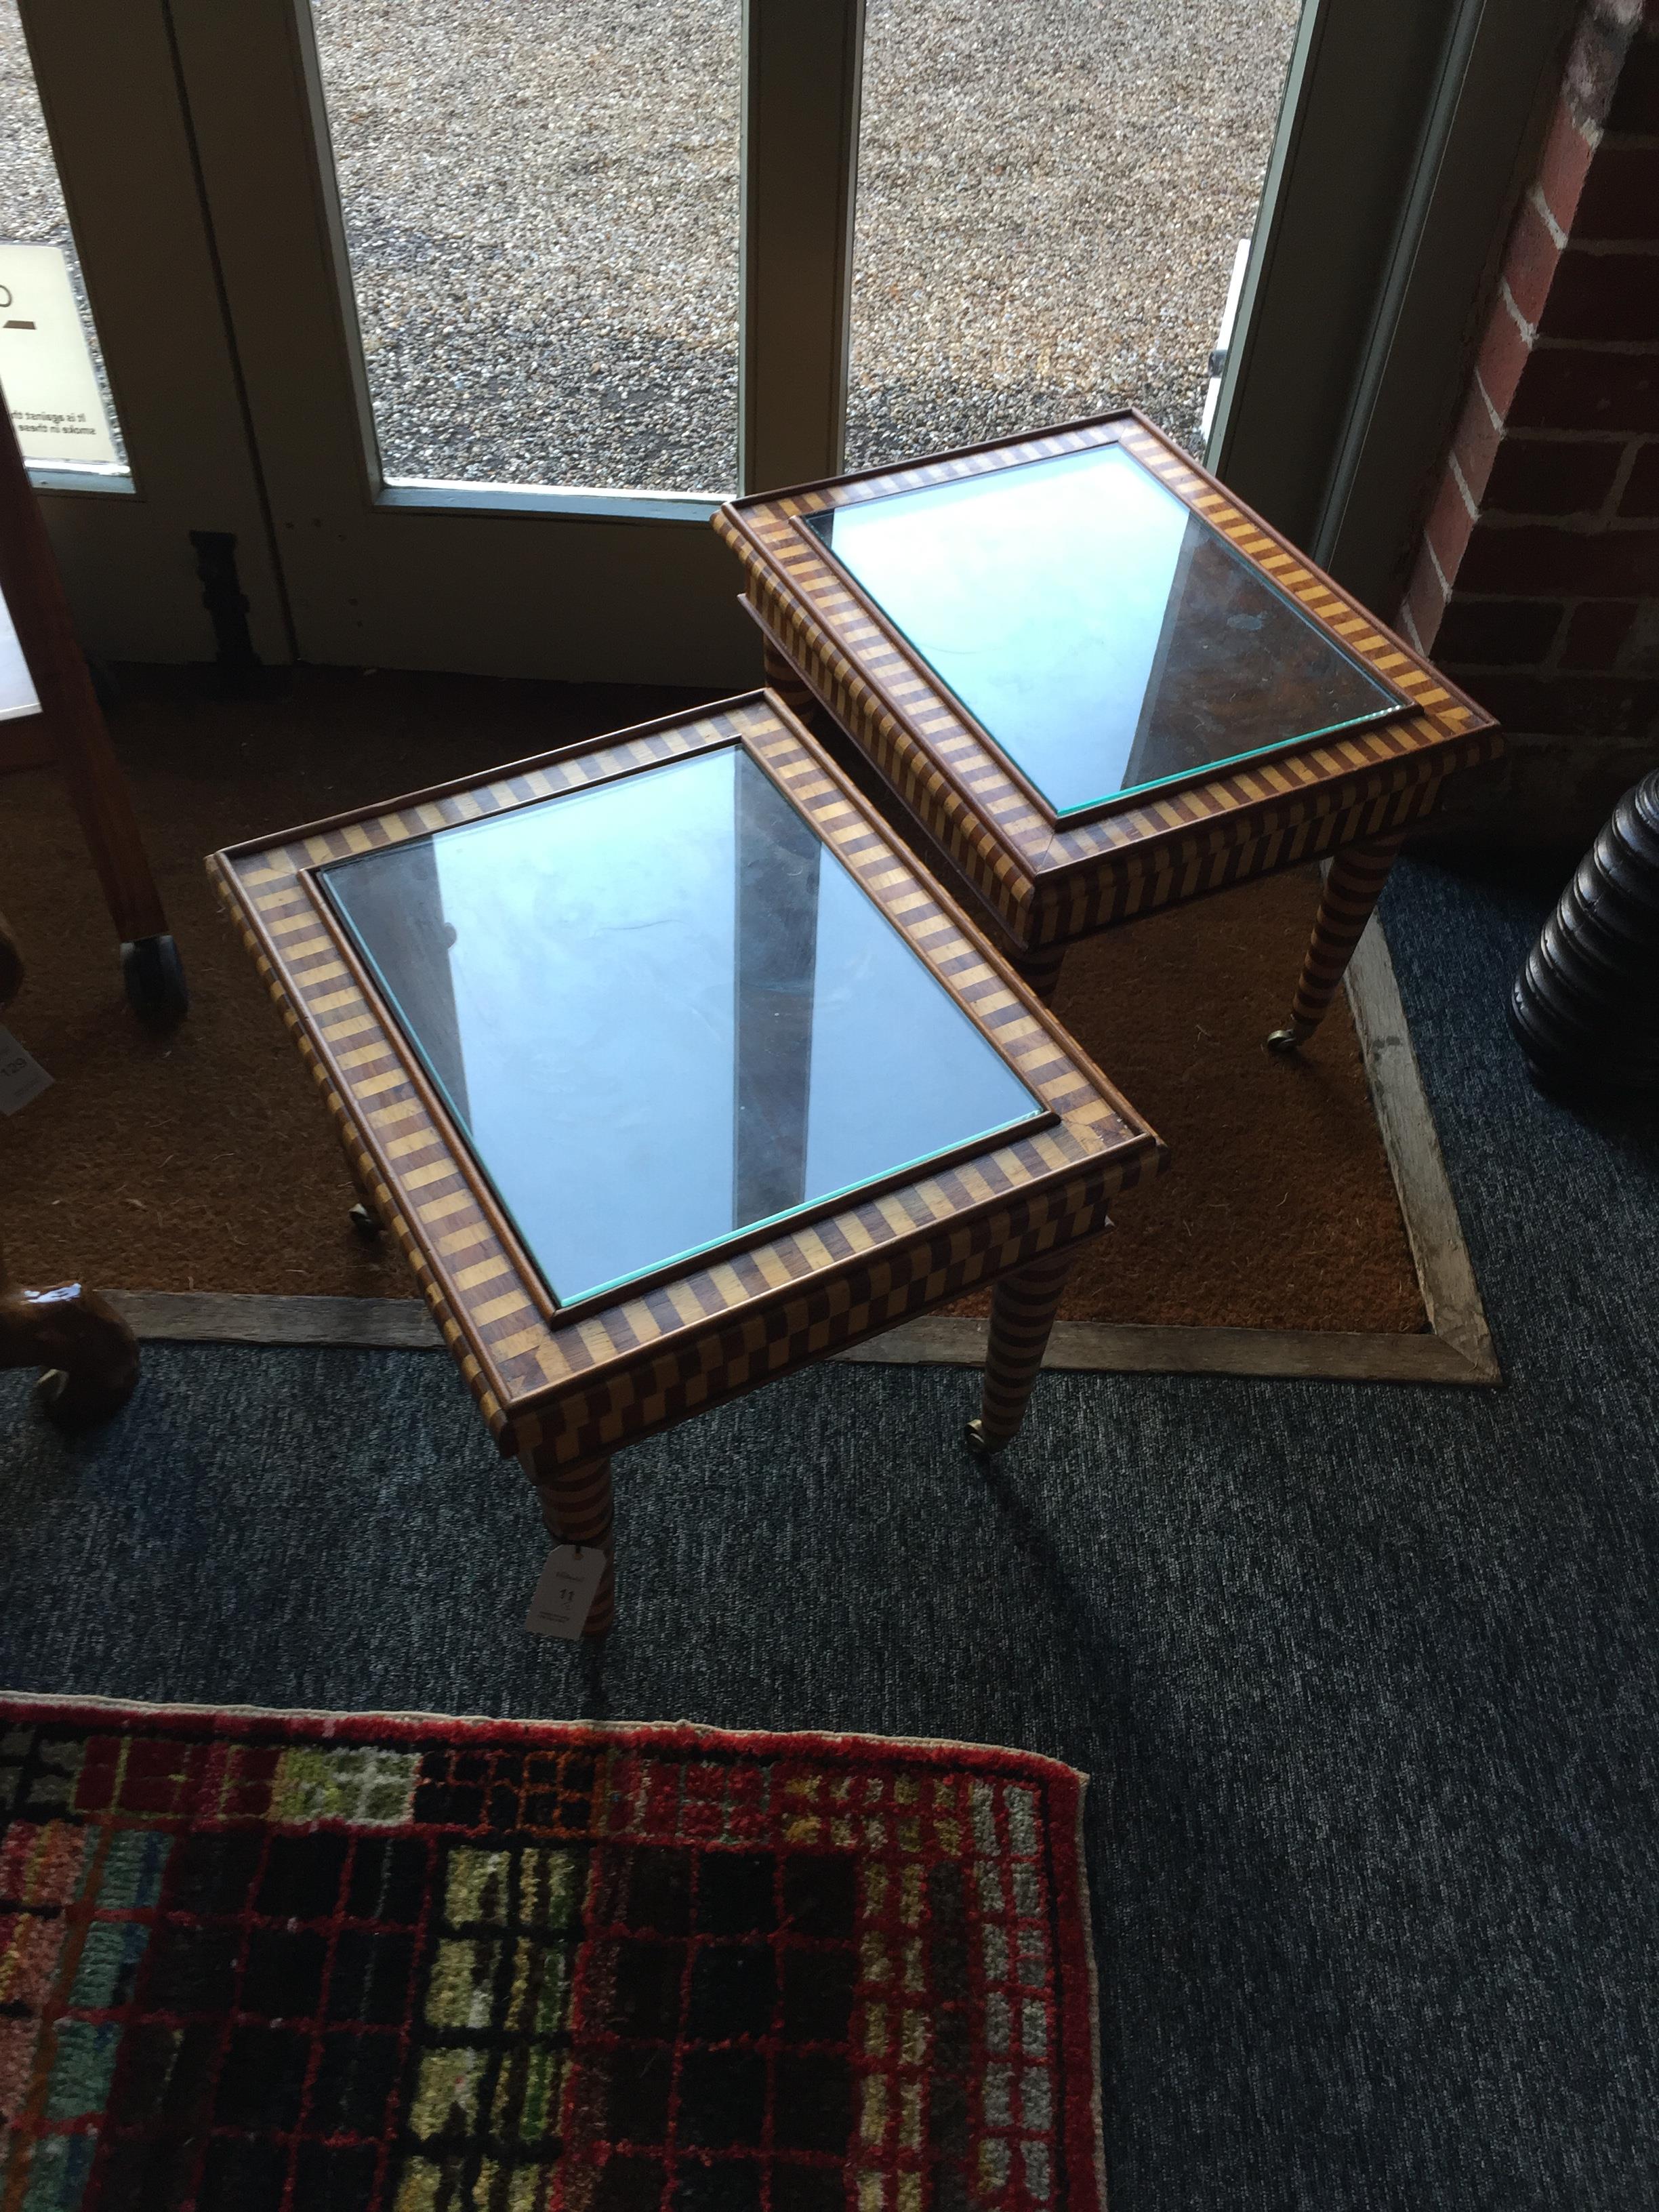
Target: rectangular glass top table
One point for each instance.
(671, 1072)
(1097, 685)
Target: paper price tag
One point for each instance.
(45, 364)
(566, 1591)
(21, 1076)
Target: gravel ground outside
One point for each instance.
(541, 199)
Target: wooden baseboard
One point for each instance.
(1456, 1348)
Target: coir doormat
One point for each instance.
(263, 1960)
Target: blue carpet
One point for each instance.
(1366, 1678)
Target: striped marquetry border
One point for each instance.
(1231, 849)
(959, 786)
(573, 1388)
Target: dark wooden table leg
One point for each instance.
(1039, 970)
(88, 1355)
(1023, 1309)
(1351, 889)
(576, 1508)
(33, 592)
(11, 966)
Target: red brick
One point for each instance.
(1596, 631)
(1497, 633)
(1571, 706)
(1448, 526)
(1425, 598)
(1503, 357)
(1621, 199)
(1534, 560)
(1475, 443)
(1604, 296)
(1579, 389)
(1636, 103)
(1529, 261)
(1564, 165)
(1552, 475)
(1641, 494)
(1596, 64)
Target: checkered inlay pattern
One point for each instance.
(577, 1389)
(250, 1963)
(1048, 883)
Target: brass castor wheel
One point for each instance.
(978, 1442)
(1283, 1040)
(368, 1226)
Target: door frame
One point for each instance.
(106, 75)
(1404, 141)
(1402, 138)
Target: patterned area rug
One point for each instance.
(320, 1963)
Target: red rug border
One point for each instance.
(345, 1726)
(1066, 1785)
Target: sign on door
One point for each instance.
(45, 364)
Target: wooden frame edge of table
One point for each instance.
(562, 1394)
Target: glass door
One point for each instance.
(114, 354)
(518, 293)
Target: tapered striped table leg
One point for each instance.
(780, 675)
(1353, 887)
(1023, 1309)
(1040, 971)
(576, 1508)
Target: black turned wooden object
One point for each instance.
(1585, 1006)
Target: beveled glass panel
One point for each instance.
(664, 1015)
(1105, 637)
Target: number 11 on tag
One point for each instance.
(565, 1594)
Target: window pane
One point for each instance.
(541, 207)
(1051, 194)
(49, 362)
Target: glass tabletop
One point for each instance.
(1100, 634)
(665, 1017)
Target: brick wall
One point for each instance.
(1536, 582)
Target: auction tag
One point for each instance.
(21, 1076)
(566, 1591)
(45, 363)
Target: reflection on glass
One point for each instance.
(541, 211)
(1050, 195)
(52, 370)
(1100, 632)
(664, 1013)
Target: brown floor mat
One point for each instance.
(205, 1161)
